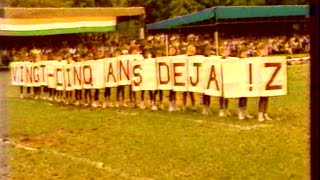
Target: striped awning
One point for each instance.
(50, 21)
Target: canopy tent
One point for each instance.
(231, 13)
(227, 15)
(50, 21)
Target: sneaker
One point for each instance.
(21, 96)
(104, 105)
(222, 113)
(57, 99)
(205, 111)
(241, 115)
(95, 104)
(50, 98)
(125, 105)
(161, 106)
(36, 97)
(142, 106)
(154, 107)
(77, 103)
(177, 108)
(117, 105)
(261, 117)
(194, 108)
(171, 107)
(267, 117)
(110, 104)
(228, 113)
(44, 97)
(249, 116)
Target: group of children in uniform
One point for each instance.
(148, 50)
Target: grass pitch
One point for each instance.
(83, 143)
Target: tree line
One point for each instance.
(156, 10)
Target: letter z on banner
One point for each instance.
(254, 77)
(274, 79)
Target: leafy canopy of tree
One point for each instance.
(156, 9)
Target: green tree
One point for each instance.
(40, 3)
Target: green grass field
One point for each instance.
(69, 141)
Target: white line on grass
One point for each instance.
(96, 164)
(234, 126)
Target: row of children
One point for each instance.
(85, 97)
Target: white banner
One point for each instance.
(137, 73)
(68, 77)
(43, 76)
(98, 80)
(179, 73)
(17, 73)
(195, 73)
(273, 76)
(59, 75)
(164, 73)
(110, 71)
(214, 76)
(254, 77)
(77, 75)
(123, 73)
(87, 74)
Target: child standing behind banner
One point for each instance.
(243, 53)
(147, 54)
(96, 103)
(68, 93)
(206, 99)
(78, 92)
(107, 98)
(134, 49)
(262, 50)
(45, 89)
(173, 51)
(59, 93)
(224, 102)
(191, 51)
(120, 88)
(87, 92)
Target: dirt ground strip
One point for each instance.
(4, 80)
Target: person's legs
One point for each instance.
(263, 109)
(141, 104)
(87, 96)
(206, 104)
(193, 102)
(96, 102)
(222, 112)
(241, 106)
(171, 100)
(184, 96)
(21, 92)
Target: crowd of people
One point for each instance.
(105, 44)
(98, 46)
